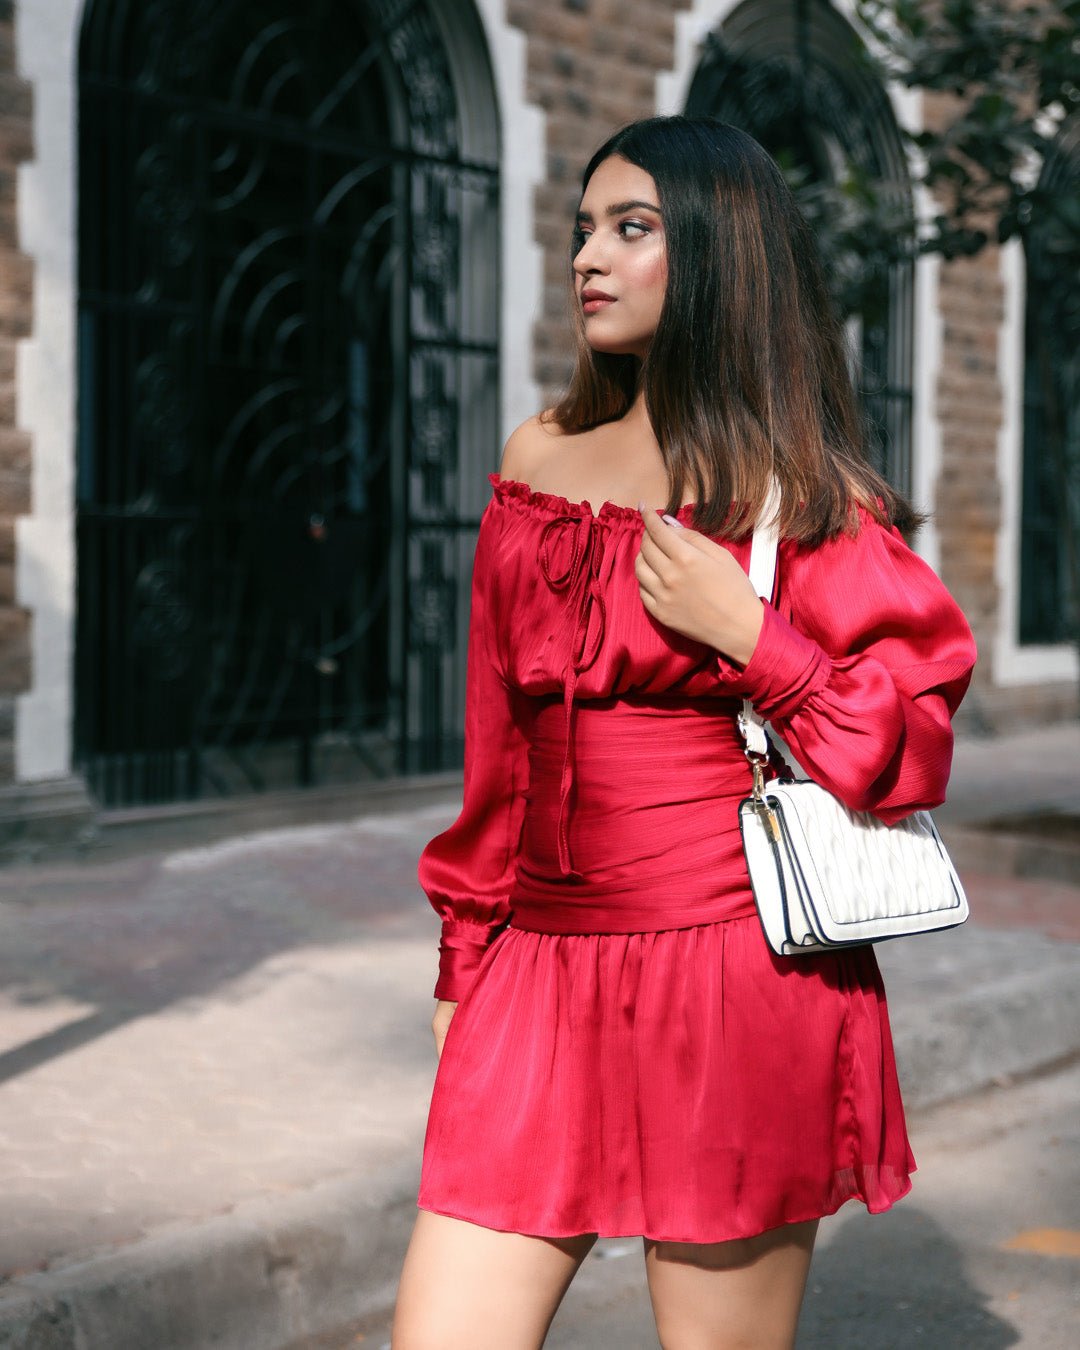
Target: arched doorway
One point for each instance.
(1050, 499)
(287, 368)
(790, 73)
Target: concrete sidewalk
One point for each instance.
(215, 1061)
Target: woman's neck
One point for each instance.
(637, 415)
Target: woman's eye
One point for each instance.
(626, 229)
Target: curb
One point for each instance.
(1004, 1026)
(1012, 855)
(268, 1274)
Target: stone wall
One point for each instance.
(592, 66)
(16, 282)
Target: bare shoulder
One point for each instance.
(528, 447)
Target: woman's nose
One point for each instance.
(590, 257)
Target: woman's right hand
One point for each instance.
(444, 1010)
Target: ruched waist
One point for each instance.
(651, 818)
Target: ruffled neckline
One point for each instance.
(559, 505)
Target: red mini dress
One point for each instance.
(628, 1057)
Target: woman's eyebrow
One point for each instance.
(619, 208)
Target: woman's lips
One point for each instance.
(591, 301)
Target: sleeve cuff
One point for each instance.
(785, 668)
(461, 950)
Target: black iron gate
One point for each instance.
(791, 73)
(287, 329)
(1049, 609)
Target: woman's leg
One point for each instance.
(742, 1295)
(464, 1287)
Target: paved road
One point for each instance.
(181, 1033)
(984, 1254)
(215, 1063)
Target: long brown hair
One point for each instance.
(746, 373)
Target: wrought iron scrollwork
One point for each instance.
(162, 622)
(280, 335)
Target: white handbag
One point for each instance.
(825, 876)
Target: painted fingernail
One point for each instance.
(672, 521)
(641, 506)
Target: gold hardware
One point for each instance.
(770, 820)
(757, 764)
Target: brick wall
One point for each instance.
(592, 66)
(969, 402)
(16, 282)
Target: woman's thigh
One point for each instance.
(742, 1295)
(464, 1287)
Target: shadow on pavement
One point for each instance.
(85, 949)
(896, 1282)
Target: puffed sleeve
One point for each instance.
(861, 662)
(467, 871)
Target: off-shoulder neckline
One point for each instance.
(553, 501)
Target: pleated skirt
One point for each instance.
(685, 1085)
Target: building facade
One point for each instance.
(276, 280)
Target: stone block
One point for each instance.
(9, 223)
(16, 97)
(16, 315)
(16, 273)
(14, 493)
(15, 653)
(15, 449)
(548, 24)
(16, 140)
(646, 17)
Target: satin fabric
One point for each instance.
(631, 879)
(627, 1055)
(686, 1085)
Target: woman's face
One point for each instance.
(621, 263)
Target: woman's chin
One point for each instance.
(613, 347)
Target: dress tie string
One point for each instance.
(580, 579)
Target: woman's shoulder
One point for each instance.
(529, 447)
(514, 500)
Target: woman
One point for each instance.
(620, 1051)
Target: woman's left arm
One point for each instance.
(860, 666)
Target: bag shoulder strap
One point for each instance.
(762, 572)
(763, 547)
